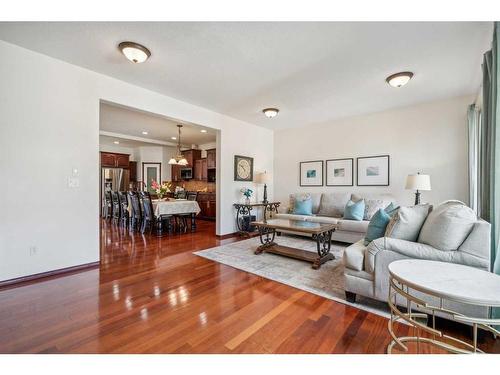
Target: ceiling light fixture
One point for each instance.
(399, 79)
(116, 142)
(145, 133)
(179, 159)
(270, 112)
(134, 52)
(203, 131)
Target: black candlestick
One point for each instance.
(417, 197)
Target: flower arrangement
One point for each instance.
(247, 193)
(162, 189)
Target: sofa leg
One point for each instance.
(350, 297)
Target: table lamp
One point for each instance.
(264, 178)
(418, 182)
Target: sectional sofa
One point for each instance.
(329, 208)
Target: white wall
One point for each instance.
(430, 138)
(51, 108)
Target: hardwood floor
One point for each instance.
(152, 295)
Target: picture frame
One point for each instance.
(340, 172)
(243, 168)
(311, 173)
(373, 170)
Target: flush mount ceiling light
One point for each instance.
(178, 159)
(134, 52)
(399, 79)
(271, 112)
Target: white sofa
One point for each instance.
(329, 208)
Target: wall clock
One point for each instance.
(243, 168)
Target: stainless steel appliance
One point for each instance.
(114, 179)
(186, 173)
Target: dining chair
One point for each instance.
(181, 220)
(150, 221)
(107, 208)
(124, 213)
(116, 207)
(180, 194)
(192, 196)
(135, 210)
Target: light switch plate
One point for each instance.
(73, 182)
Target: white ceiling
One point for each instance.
(314, 72)
(131, 123)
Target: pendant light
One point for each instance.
(179, 159)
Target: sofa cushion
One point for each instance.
(323, 219)
(354, 210)
(354, 256)
(292, 217)
(315, 197)
(333, 204)
(406, 222)
(303, 206)
(360, 226)
(447, 226)
(377, 226)
(372, 206)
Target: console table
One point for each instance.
(244, 210)
(445, 281)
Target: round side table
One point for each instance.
(446, 281)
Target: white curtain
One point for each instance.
(473, 137)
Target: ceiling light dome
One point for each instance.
(271, 112)
(134, 52)
(399, 79)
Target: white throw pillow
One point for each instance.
(447, 227)
(406, 223)
(333, 204)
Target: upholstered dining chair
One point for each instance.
(135, 210)
(116, 206)
(124, 213)
(107, 208)
(149, 220)
(181, 220)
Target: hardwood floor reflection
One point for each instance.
(152, 295)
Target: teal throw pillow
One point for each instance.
(377, 226)
(391, 208)
(354, 210)
(303, 206)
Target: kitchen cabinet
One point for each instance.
(208, 204)
(114, 160)
(211, 158)
(176, 173)
(204, 172)
(200, 170)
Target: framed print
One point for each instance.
(373, 170)
(243, 168)
(311, 173)
(339, 172)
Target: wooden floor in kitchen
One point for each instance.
(152, 295)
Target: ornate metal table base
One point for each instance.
(398, 288)
(244, 210)
(323, 247)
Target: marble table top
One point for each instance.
(454, 282)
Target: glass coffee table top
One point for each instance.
(296, 225)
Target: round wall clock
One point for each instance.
(243, 168)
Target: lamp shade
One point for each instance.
(418, 182)
(263, 178)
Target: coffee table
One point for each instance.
(321, 233)
(410, 278)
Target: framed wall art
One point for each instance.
(339, 172)
(373, 170)
(311, 173)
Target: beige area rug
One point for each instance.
(326, 282)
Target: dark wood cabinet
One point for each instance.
(132, 166)
(204, 174)
(208, 206)
(114, 160)
(197, 172)
(211, 158)
(176, 173)
(191, 156)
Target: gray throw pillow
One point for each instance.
(333, 204)
(447, 227)
(406, 223)
(372, 206)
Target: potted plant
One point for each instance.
(247, 193)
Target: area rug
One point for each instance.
(326, 282)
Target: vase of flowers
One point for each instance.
(247, 193)
(162, 189)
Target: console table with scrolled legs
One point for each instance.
(244, 210)
(445, 282)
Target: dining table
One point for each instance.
(169, 206)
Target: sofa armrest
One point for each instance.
(416, 250)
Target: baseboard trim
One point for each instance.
(23, 280)
(226, 236)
